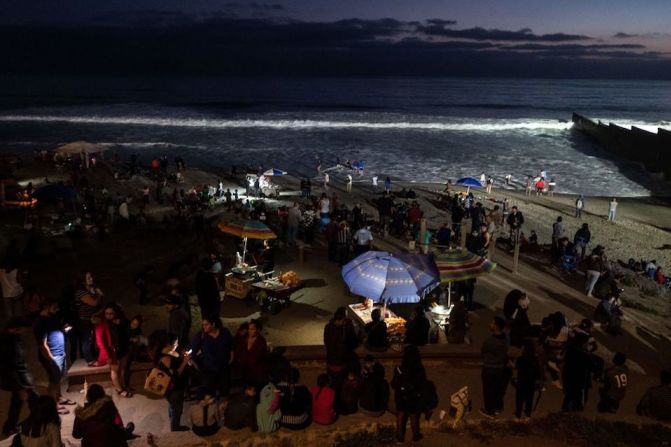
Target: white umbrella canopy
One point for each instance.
(77, 147)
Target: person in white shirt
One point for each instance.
(12, 290)
(509, 179)
(375, 182)
(349, 183)
(327, 179)
(612, 208)
(363, 240)
(123, 210)
(483, 178)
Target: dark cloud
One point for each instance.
(254, 5)
(523, 35)
(218, 44)
(441, 22)
(624, 35)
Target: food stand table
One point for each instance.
(239, 280)
(395, 324)
(277, 293)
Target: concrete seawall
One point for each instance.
(653, 150)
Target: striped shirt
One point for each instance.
(85, 311)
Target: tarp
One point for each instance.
(470, 182)
(77, 147)
(274, 172)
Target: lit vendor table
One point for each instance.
(360, 313)
(277, 294)
(239, 280)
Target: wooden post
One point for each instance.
(463, 235)
(422, 236)
(516, 257)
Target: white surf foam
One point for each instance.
(477, 126)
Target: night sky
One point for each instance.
(517, 38)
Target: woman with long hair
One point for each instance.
(323, 400)
(43, 427)
(408, 384)
(112, 332)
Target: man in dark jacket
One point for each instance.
(576, 375)
(178, 321)
(374, 392)
(207, 289)
(98, 423)
(656, 402)
(340, 341)
(515, 221)
(417, 328)
(15, 376)
(581, 239)
(495, 371)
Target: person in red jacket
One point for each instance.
(323, 399)
(112, 334)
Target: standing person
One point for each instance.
(43, 427)
(113, 340)
(98, 423)
(551, 187)
(490, 183)
(375, 183)
(615, 381)
(88, 303)
(595, 266)
(612, 208)
(495, 371)
(581, 240)
(348, 183)
(207, 289)
(576, 375)
(324, 210)
(50, 338)
(212, 352)
(528, 375)
(331, 235)
(12, 291)
(557, 234)
(579, 206)
(340, 341)
(250, 354)
(509, 179)
(363, 239)
(408, 382)
(515, 221)
(168, 359)
(15, 375)
(327, 179)
(344, 242)
(178, 321)
(387, 185)
(529, 186)
(374, 389)
(293, 221)
(483, 178)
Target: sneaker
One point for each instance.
(486, 414)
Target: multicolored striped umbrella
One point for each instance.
(252, 229)
(458, 265)
(394, 278)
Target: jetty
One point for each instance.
(651, 149)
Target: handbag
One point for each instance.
(157, 382)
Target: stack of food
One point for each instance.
(395, 327)
(289, 279)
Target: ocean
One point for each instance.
(421, 129)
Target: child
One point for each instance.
(323, 398)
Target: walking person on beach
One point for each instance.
(515, 221)
(349, 183)
(595, 265)
(579, 206)
(327, 179)
(375, 183)
(612, 208)
(581, 239)
(483, 178)
(529, 185)
(490, 182)
(509, 179)
(387, 185)
(551, 187)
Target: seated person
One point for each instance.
(376, 332)
(566, 248)
(374, 390)
(659, 277)
(656, 402)
(323, 399)
(651, 269)
(241, 410)
(204, 416)
(295, 403)
(268, 413)
(417, 328)
(349, 395)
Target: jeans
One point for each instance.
(611, 215)
(578, 213)
(524, 399)
(56, 370)
(175, 400)
(592, 278)
(86, 342)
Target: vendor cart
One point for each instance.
(273, 295)
(239, 280)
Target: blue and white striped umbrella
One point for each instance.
(394, 278)
(274, 172)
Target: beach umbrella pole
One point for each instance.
(449, 294)
(244, 250)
